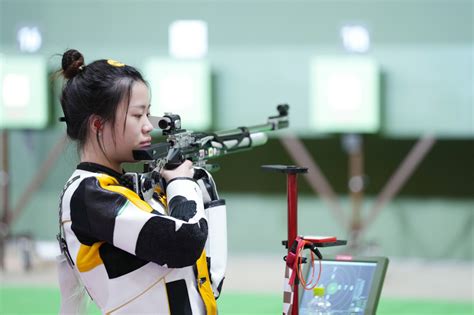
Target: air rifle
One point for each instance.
(198, 147)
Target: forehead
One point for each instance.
(140, 95)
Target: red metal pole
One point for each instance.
(291, 172)
(292, 193)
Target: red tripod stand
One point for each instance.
(292, 197)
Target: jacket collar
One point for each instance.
(97, 168)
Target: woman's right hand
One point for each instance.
(184, 170)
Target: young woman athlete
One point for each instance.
(130, 257)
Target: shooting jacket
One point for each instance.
(133, 258)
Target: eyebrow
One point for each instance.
(141, 106)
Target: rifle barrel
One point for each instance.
(238, 131)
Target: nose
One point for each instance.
(147, 127)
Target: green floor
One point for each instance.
(45, 301)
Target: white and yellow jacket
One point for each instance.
(134, 259)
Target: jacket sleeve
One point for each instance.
(103, 210)
(216, 244)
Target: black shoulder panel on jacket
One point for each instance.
(93, 211)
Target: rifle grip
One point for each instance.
(175, 160)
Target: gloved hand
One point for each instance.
(207, 185)
(185, 169)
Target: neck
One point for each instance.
(93, 153)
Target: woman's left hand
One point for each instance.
(184, 170)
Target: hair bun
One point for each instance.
(72, 63)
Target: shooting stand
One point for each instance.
(291, 172)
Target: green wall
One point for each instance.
(433, 222)
(259, 52)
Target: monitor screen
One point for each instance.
(351, 287)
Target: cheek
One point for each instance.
(107, 135)
(130, 135)
(133, 128)
(130, 131)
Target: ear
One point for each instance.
(96, 123)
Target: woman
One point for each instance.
(129, 257)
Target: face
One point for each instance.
(136, 133)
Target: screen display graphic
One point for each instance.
(347, 286)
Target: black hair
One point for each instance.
(93, 89)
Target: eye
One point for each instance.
(147, 114)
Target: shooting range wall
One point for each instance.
(259, 52)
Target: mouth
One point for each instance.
(146, 143)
